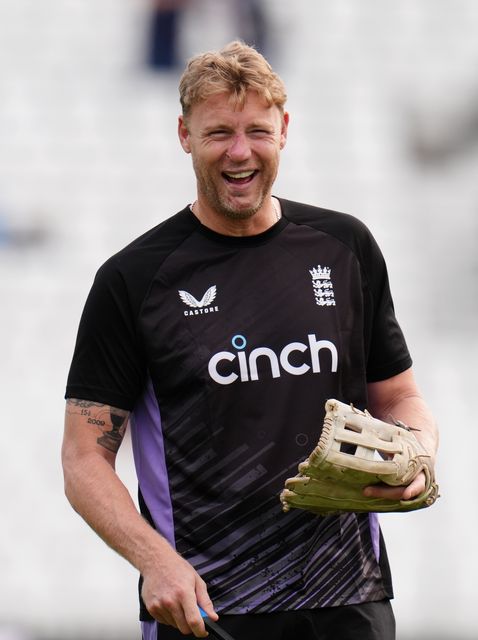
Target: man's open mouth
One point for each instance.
(239, 177)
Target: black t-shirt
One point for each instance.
(225, 349)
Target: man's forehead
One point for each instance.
(224, 105)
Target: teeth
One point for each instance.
(241, 174)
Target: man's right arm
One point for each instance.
(171, 588)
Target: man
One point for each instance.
(219, 335)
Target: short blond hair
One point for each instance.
(235, 69)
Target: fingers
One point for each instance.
(181, 613)
(204, 601)
(174, 599)
(384, 491)
(414, 489)
(193, 619)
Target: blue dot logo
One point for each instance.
(239, 342)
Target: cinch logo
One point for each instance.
(227, 367)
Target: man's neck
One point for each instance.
(268, 215)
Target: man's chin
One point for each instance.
(240, 210)
(239, 214)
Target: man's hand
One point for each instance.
(415, 488)
(173, 592)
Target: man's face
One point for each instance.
(235, 153)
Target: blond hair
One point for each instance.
(235, 69)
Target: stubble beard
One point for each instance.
(220, 204)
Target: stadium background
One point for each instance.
(384, 125)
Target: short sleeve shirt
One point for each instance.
(225, 350)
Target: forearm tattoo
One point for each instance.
(110, 421)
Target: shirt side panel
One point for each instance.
(150, 462)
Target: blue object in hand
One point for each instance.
(214, 628)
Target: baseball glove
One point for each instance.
(356, 450)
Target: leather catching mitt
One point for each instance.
(354, 451)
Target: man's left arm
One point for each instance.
(399, 398)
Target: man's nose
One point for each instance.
(239, 149)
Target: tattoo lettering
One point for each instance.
(85, 404)
(100, 423)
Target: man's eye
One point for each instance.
(218, 133)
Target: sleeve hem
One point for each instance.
(389, 370)
(105, 396)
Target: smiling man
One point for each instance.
(234, 132)
(235, 147)
(218, 336)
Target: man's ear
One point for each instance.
(183, 134)
(284, 128)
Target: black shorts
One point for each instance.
(367, 621)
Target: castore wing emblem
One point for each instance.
(191, 301)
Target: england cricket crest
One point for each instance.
(323, 288)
